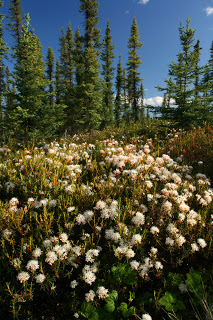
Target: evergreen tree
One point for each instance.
(50, 73)
(141, 104)
(92, 34)
(70, 60)
(16, 18)
(118, 99)
(207, 80)
(58, 82)
(3, 52)
(183, 85)
(78, 58)
(134, 61)
(63, 66)
(89, 92)
(108, 73)
(30, 82)
(125, 100)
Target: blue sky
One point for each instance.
(158, 22)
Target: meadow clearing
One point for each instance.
(108, 226)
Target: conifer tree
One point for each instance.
(207, 80)
(141, 104)
(70, 60)
(134, 61)
(108, 73)
(50, 73)
(78, 58)
(118, 99)
(126, 105)
(3, 52)
(92, 34)
(58, 82)
(183, 85)
(30, 82)
(16, 19)
(89, 91)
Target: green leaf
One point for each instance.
(110, 305)
(123, 308)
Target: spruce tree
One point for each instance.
(15, 15)
(141, 104)
(207, 80)
(118, 98)
(30, 82)
(70, 60)
(58, 86)
(107, 57)
(78, 58)
(3, 52)
(125, 99)
(50, 73)
(89, 92)
(92, 34)
(183, 85)
(134, 62)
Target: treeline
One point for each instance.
(48, 97)
(45, 97)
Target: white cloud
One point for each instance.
(127, 12)
(209, 11)
(143, 1)
(156, 101)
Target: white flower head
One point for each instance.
(40, 278)
(23, 276)
(90, 296)
(32, 265)
(102, 292)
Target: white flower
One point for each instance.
(202, 242)
(182, 287)
(102, 292)
(167, 206)
(88, 276)
(6, 233)
(23, 276)
(194, 247)
(32, 265)
(37, 252)
(13, 202)
(169, 241)
(146, 316)
(30, 200)
(91, 254)
(154, 230)
(100, 205)
(180, 240)
(70, 209)
(52, 203)
(80, 219)
(90, 296)
(40, 278)
(73, 284)
(138, 219)
(153, 251)
(136, 239)
(134, 264)
(130, 253)
(63, 237)
(76, 315)
(158, 265)
(46, 243)
(51, 257)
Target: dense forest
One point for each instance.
(44, 97)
